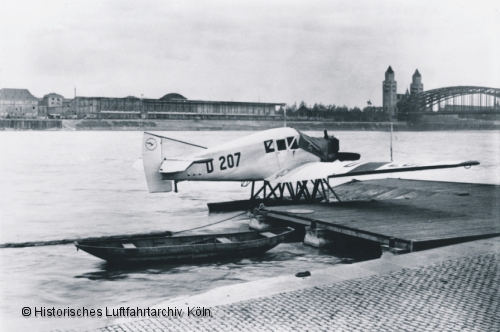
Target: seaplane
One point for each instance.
(283, 159)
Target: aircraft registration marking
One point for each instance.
(210, 167)
(229, 160)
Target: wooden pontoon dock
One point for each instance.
(403, 215)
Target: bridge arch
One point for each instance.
(451, 100)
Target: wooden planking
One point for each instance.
(410, 209)
(411, 228)
(224, 240)
(372, 188)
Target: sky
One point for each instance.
(330, 52)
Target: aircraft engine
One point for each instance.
(327, 148)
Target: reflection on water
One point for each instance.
(272, 260)
(58, 185)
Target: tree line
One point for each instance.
(335, 113)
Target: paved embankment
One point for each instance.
(454, 288)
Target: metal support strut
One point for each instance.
(319, 190)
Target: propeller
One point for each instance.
(333, 147)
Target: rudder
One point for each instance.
(152, 157)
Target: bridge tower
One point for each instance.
(416, 85)
(389, 88)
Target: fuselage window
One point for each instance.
(269, 145)
(281, 144)
(292, 143)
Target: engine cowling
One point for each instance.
(326, 148)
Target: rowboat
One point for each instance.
(185, 248)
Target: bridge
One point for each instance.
(451, 100)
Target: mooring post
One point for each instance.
(395, 249)
(258, 220)
(316, 237)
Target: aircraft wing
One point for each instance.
(323, 170)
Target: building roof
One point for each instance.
(24, 94)
(185, 101)
(416, 74)
(53, 94)
(174, 95)
(131, 97)
(389, 70)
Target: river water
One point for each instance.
(59, 184)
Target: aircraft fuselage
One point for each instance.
(250, 158)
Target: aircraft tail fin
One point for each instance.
(152, 157)
(156, 150)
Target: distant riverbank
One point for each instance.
(218, 125)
